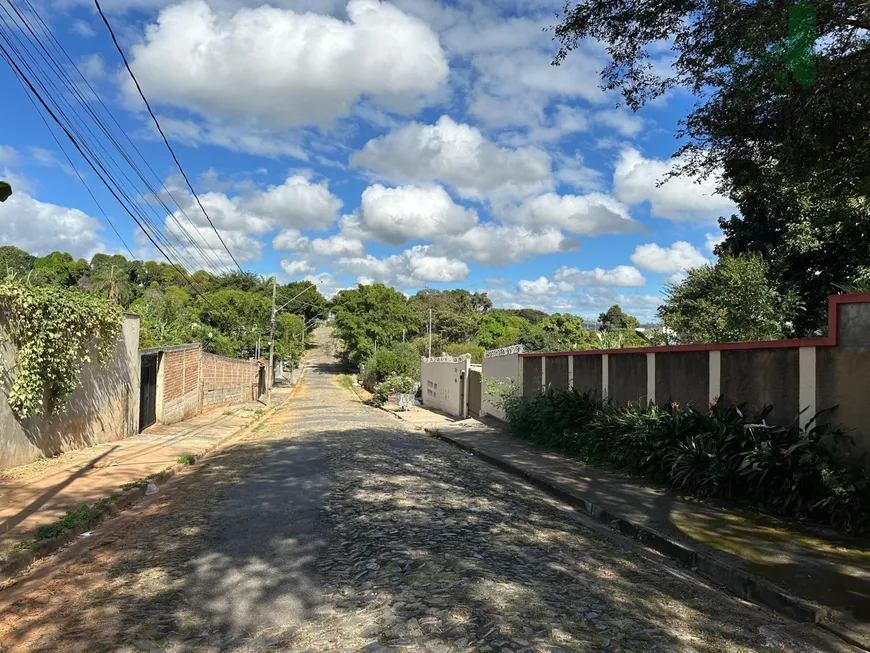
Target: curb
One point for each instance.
(23, 558)
(739, 582)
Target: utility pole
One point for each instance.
(272, 334)
(430, 333)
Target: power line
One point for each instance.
(75, 88)
(78, 174)
(160, 129)
(5, 53)
(38, 75)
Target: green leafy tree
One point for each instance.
(810, 244)
(289, 343)
(784, 86)
(240, 317)
(730, 301)
(476, 352)
(567, 331)
(111, 277)
(14, 262)
(59, 269)
(367, 315)
(500, 328)
(536, 338)
(615, 319)
(308, 302)
(530, 315)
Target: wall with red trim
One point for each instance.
(799, 378)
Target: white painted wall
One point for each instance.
(443, 381)
(502, 369)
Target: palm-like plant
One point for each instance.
(111, 282)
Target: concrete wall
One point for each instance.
(445, 383)
(683, 377)
(628, 379)
(556, 372)
(503, 369)
(798, 378)
(587, 374)
(533, 375)
(103, 408)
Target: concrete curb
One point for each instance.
(23, 558)
(739, 582)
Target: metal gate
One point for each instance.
(148, 392)
(475, 393)
(261, 382)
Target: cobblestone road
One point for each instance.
(335, 527)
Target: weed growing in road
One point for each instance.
(345, 381)
(137, 483)
(187, 459)
(229, 412)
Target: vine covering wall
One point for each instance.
(52, 331)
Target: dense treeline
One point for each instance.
(387, 332)
(228, 313)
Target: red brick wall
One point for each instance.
(228, 380)
(180, 372)
(190, 379)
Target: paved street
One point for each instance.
(336, 527)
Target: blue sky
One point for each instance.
(418, 143)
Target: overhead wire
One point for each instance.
(160, 130)
(96, 168)
(206, 260)
(77, 126)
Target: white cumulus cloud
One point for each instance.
(621, 275)
(412, 268)
(496, 245)
(677, 258)
(41, 227)
(542, 286)
(285, 68)
(458, 155)
(636, 180)
(397, 215)
(586, 215)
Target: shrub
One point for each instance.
(458, 349)
(392, 385)
(728, 450)
(399, 359)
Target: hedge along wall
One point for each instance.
(806, 375)
(103, 408)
